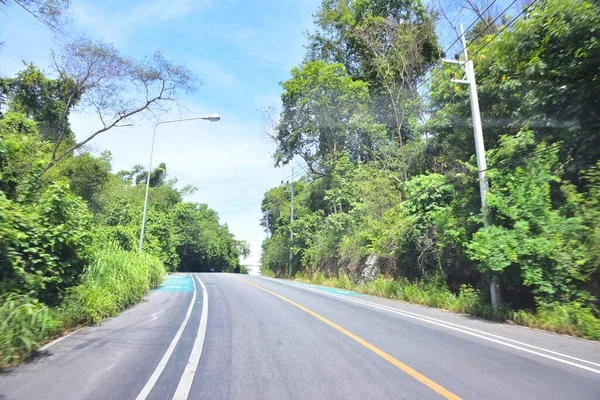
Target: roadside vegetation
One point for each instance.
(69, 225)
(389, 203)
(572, 319)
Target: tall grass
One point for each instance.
(115, 280)
(24, 323)
(573, 318)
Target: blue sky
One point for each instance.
(240, 50)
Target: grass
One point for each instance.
(267, 272)
(572, 319)
(24, 323)
(115, 280)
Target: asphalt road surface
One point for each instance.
(224, 336)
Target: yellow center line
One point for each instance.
(418, 376)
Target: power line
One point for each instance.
(506, 26)
(551, 147)
(458, 38)
(301, 170)
(525, 9)
(473, 40)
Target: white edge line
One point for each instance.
(464, 327)
(163, 362)
(187, 377)
(457, 325)
(60, 339)
(449, 325)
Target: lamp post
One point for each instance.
(210, 117)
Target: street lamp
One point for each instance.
(210, 117)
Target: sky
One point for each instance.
(240, 51)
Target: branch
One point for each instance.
(34, 15)
(104, 129)
(310, 165)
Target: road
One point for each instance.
(225, 336)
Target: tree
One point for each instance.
(534, 242)
(157, 177)
(48, 12)
(322, 107)
(202, 242)
(26, 152)
(549, 62)
(87, 176)
(388, 43)
(40, 98)
(115, 87)
(401, 51)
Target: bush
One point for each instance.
(24, 324)
(44, 246)
(318, 278)
(244, 270)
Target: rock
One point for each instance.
(370, 271)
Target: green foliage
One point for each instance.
(25, 152)
(341, 23)
(266, 272)
(243, 270)
(275, 254)
(45, 245)
(114, 280)
(390, 183)
(534, 242)
(321, 104)
(87, 176)
(202, 242)
(549, 63)
(41, 99)
(24, 324)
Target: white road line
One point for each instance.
(163, 362)
(465, 330)
(185, 383)
(60, 339)
(408, 313)
(487, 333)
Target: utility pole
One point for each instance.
(291, 220)
(469, 79)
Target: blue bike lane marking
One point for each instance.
(176, 283)
(342, 292)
